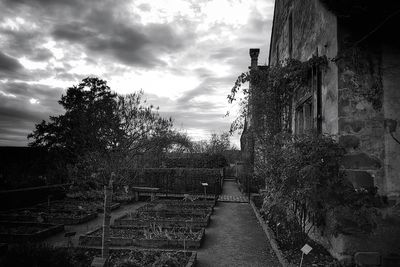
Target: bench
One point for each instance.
(151, 190)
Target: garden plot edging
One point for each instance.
(271, 238)
(124, 221)
(164, 213)
(185, 208)
(93, 241)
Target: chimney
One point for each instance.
(254, 57)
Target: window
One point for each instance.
(318, 94)
(290, 35)
(308, 106)
(304, 116)
(277, 54)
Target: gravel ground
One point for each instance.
(234, 237)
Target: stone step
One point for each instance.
(233, 199)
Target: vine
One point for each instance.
(306, 187)
(302, 173)
(271, 93)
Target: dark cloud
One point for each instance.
(41, 92)
(121, 42)
(18, 116)
(9, 65)
(203, 89)
(74, 32)
(24, 42)
(43, 2)
(132, 44)
(108, 36)
(203, 72)
(96, 28)
(41, 54)
(195, 116)
(223, 52)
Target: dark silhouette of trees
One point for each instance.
(102, 132)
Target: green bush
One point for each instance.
(304, 184)
(252, 183)
(202, 160)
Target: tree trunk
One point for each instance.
(106, 222)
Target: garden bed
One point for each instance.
(73, 205)
(43, 255)
(16, 232)
(175, 220)
(160, 208)
(209, 202)
(98, 196)
(287, 246)
(123, 199)
(153, 258)
(149, 237)
(55, 217)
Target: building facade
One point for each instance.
(356, 97)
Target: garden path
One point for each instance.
(234, 237)
(80, 229)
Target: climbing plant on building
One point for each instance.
(271, 93)
(301, 172)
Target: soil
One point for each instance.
(146, 258)
(290, 244)
(175, 207)
(175, 216)
(154, 233)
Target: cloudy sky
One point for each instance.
(184, 54)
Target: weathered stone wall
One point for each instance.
(391, 108)
(361, 126)
(314, 33)
(360, 98)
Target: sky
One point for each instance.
(184, 54)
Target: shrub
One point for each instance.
(304, 184)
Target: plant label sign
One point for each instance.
(306, 249)
(40, 219)
(204, 184)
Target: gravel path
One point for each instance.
(80, 229)
(234, 237)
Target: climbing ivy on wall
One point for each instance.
(302, 173)
(271, 94)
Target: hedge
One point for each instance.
(178, 180)
(199, 160)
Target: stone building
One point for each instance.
(356, 98)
